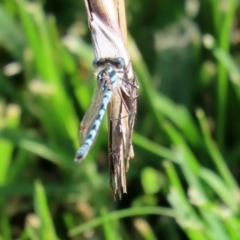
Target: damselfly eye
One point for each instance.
(96, 62)
(120, 62)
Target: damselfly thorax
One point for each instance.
(126, 83)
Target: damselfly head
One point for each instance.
(116, 62)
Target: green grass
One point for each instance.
(183, 181)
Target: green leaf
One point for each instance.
(47, 230)
(151, 180)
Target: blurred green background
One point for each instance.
(183, 181)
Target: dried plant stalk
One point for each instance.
(121, 16)
(106, 28)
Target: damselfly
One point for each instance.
(125, 91)
(107, 81)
